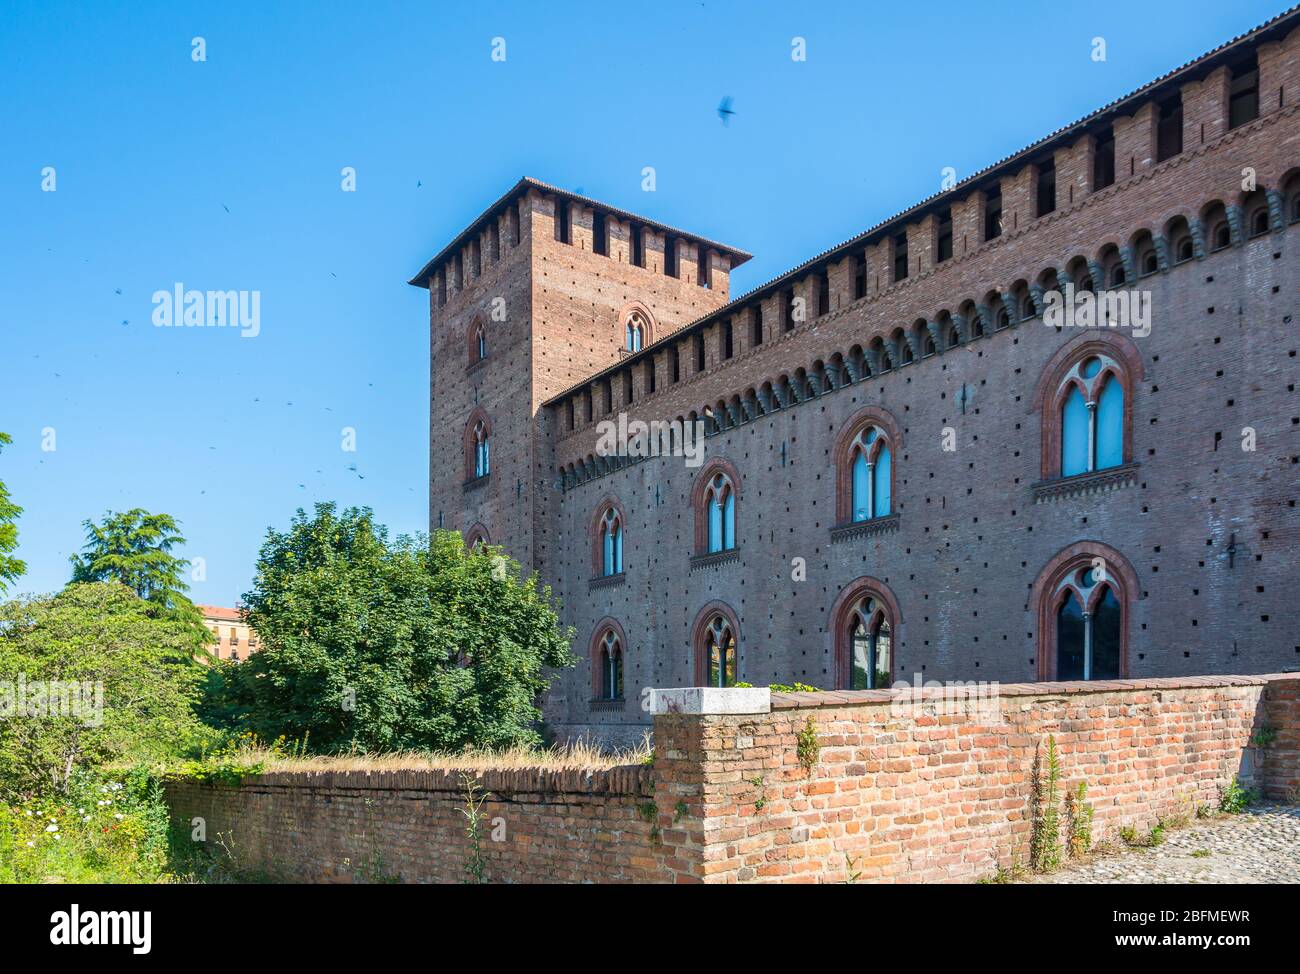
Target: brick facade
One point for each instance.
(906, 785)
(954, 357)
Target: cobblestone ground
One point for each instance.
(1261, 845)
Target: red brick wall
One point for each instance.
(1282, 723)
(564, 827)
(908, 787)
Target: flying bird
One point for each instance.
(724, 109)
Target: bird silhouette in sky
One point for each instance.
(225, 207)
(725, 110)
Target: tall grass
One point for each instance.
(577, 756)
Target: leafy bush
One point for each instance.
(376, 646)
(93, 635)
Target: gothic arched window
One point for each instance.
(869, 637)
(864, 466)
(635, 332)
(1083, 599)
(611, 543)
(478, 437)
(610, 666)
(720, 652)
(720, 510)
(871, 463)
(1092, 417)
(482, 450)
(1085, 398)
(864, 624)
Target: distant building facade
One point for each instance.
(913, 463)
(235, 639)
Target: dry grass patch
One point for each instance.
(580, 756)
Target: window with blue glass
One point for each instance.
(635, 332)
(871, 465)
(1092, 417)
(611, 543)
(720, 509)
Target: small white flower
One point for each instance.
(51, 828)
(57, 838)
(29, 813)
(86, 818)
(119, 815)
(31, 845)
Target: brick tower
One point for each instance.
(537, 294)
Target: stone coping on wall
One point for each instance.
(837, 698)
(634, 779)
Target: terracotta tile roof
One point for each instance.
(220, 613)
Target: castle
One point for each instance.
(912, 466)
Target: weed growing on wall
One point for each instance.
(1045, 841)
(808, 748)
(476, 864)
(1078, 817)
(1234, 799)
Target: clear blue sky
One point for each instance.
(225, 174)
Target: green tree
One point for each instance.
(135, 549)
(10, 567)
(62, 657)
(376, 646)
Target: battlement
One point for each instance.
(586, 224)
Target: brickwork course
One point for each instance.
(1197, 533)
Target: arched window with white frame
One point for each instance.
(611, 542)
(863, 456)
(720, 507)
(1092, 417)
(482, 450)
(1087, 629)
(1083, 598)
(609, 663)
(635, 332)
(1084, 398)
(870, 640)
(720, 652)
(872, 474)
